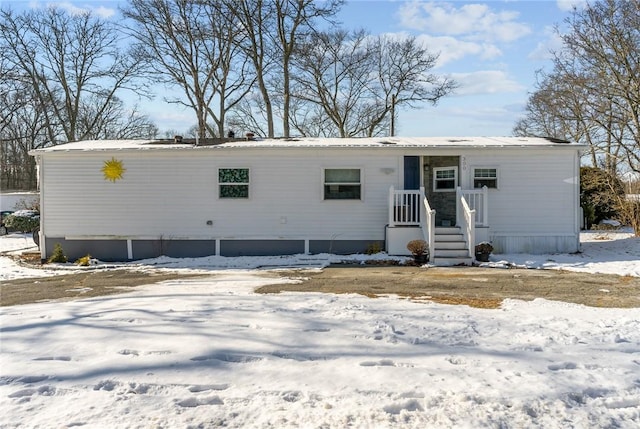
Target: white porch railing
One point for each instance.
(477, 200)
(411, 208)
(429, 226)
(467, 223)
(404, 207)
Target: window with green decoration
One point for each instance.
(233, 182)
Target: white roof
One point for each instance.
(370, 142)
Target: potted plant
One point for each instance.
(483, 250)
(420, 251)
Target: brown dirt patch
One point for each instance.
(79, 285)
(476, 287)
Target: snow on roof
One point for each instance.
(302, 142)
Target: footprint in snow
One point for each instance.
(205, 387)
(60, 358)
(225, 357)
(410, 405)
(561, 366)
(196, 402)
(42, 391)
(30, 379)
(383, 362)
(456, 360)
(107, 385)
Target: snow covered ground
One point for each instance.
(209, 352)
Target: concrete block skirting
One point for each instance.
(123, 250)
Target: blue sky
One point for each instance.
(492, 48)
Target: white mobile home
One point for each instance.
(123, 200)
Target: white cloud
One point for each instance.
(569, 5)
(101, 11)
(452, 49)
(474, 21)
(485, 82)
(543, 50)
(104, 12)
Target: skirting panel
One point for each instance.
(117, 250)
(535, 245)
(104, 250)
(260, 247)
(143, 249)
(342, 247)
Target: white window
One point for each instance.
(485, 177)
(445, 179)
(342, 184)
(233, 182)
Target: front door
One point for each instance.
(411, 172)
(440, 183)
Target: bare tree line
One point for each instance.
(269, 67)
(592, 94)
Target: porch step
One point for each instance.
(450, 247)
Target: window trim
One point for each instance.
(455, 178)
(247, 184)
(484, 167)
(324, 183)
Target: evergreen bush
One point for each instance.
(23, 220)
(58, 255)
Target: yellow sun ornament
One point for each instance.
(113, 170)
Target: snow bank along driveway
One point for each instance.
(210, 352)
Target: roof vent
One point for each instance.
(557, 140)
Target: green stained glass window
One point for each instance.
(233, 182)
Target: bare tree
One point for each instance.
(67, 59)
(272, 30)
(194, 45)
(294, 20)
(358, 80)
(596, 77)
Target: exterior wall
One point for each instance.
(536, 206)
(167, 201)
(167, 196)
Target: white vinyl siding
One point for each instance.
(173, 194)
(538, 191)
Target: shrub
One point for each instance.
(85, 261)
(600, 192)
(23, 220)
(58, 255)
(484, 247)
(418, 247)
(374, 248)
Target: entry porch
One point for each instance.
(411, 217)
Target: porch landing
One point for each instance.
(450, 247)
